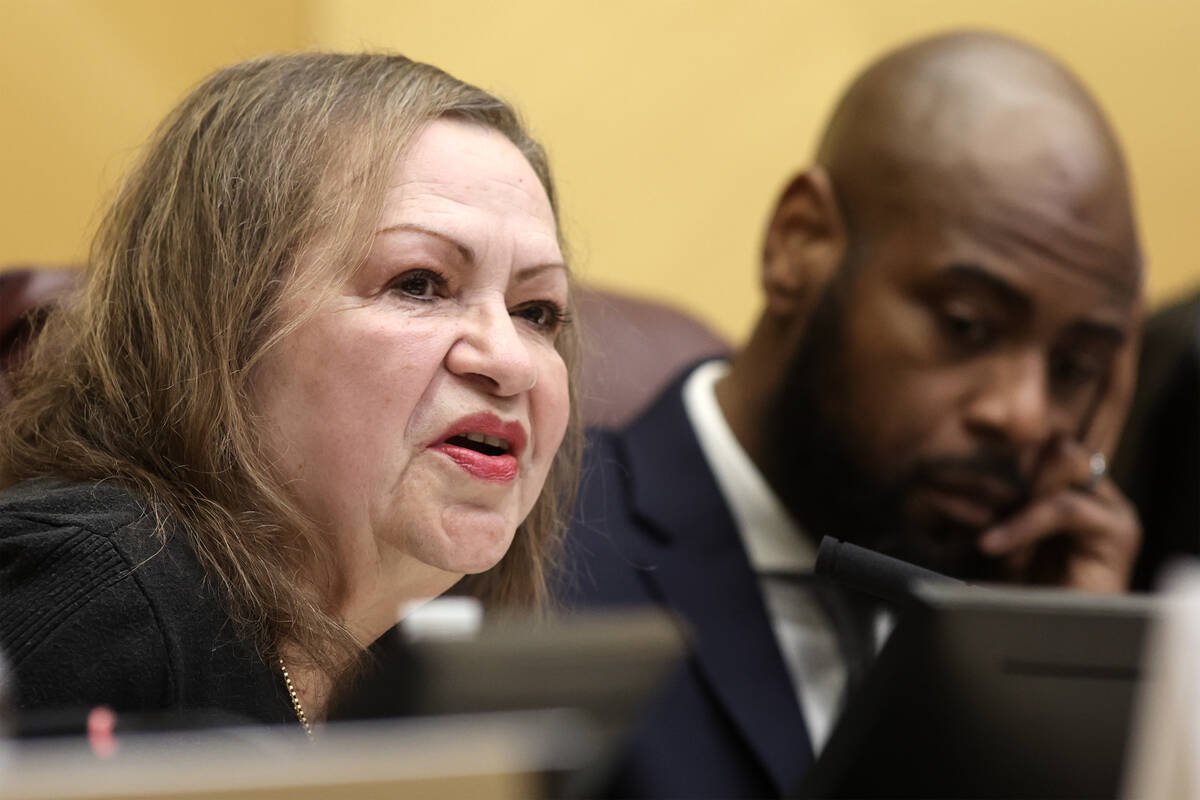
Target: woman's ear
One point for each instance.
(805, 243)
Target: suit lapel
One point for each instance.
(701, 571)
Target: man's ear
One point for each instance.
(806, 241)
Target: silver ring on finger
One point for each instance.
(1097, 469)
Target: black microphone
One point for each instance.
(887, 578)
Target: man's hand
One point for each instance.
(1076, 532)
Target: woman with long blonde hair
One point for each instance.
(319, 370)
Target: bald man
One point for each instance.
(940, 369)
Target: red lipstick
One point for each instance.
(484, 446)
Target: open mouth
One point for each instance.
(481, 443)
(485, 446)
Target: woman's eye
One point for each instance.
(547, 316)
(419, 285)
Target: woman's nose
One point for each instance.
(492, 351)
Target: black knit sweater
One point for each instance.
(96, 610)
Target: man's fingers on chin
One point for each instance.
(1066, 512)
(1028, 526)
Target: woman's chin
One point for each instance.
(474, 541)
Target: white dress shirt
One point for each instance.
(774, 543)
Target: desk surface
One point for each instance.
(492, 755)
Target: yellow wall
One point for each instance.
(671, 124)
(81, 86)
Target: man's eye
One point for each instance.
(547, 316)
(967, 331)
(1071, 371)
(419, 284)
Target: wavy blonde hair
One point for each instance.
(146, 378)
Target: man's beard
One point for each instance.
(814, 468)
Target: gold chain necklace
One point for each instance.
(296, 704)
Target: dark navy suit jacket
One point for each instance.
(652, 528)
